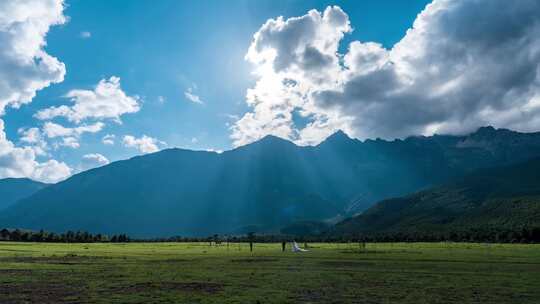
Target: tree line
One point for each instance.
(492, 235)
(473, 235)
(17, 235)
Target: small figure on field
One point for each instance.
(251, 237)
(296, 248)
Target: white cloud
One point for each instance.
(31, 135)
(161, 99)
(51, 171)
(191, 96)
(291, 57)
(25, 67)
(144, 144)
(22, 162)
(93, 160)
(69, 137)
(108, 139)
(445, 75)
(52, 130)
(106, 101)
(34, 139)
(218, 151)
(85, 34)
(70, 142)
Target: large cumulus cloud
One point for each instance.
(291, 56)
(463, 64)
(26, 68)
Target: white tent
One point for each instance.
(296, 248)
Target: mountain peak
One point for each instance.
(490, 132)
(269, 141)
(486, 130)
(339, 134)
(338, 137)
(272, 138)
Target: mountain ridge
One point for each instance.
(269, 184)
(14, 189)
(500, 198)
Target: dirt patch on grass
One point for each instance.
(14, 272)
(316, 296)
(358, 251)
(178, 260)
(344, 264)
(38, 292)
(62, 260)
(254, 260)
(309, 296)
(203, 287)
(330, 292)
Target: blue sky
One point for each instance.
(162, 48)
(84, 83)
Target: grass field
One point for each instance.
(329, 273)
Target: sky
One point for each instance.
(85, 83)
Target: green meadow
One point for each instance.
(328, 273)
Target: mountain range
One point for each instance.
(262, 186)
(503, 198)
(14, 189)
